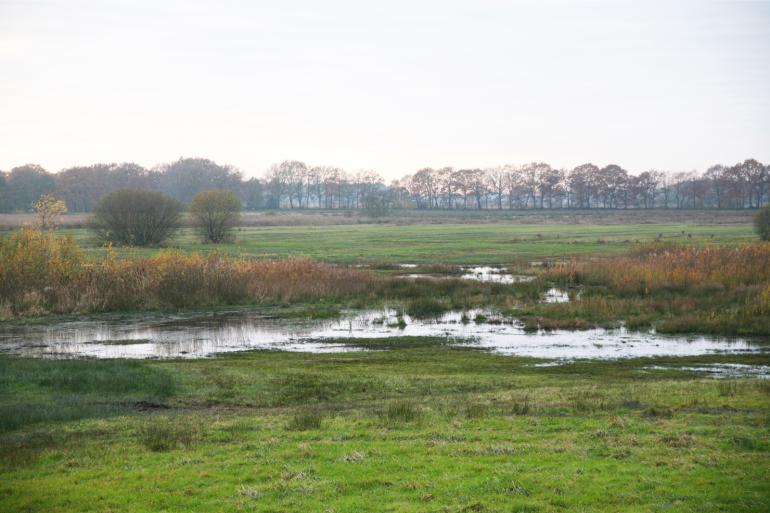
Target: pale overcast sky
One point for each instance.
(389, 85)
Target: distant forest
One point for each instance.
(296, 185)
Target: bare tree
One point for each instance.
(513, 182)
(48, 209)
(716, 175)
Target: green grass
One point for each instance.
(423, 427)
(451, 243)
(426, 307)
(51, 390)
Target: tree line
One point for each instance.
(82, 187)
(297, 185)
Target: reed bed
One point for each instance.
(658, 267)
(677, 289)
(41, 273)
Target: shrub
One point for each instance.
(136, 218)
(35, 268)
(215, 213)
(762, 223)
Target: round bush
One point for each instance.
(136, 218)
(215, 213)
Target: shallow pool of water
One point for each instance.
(211, 334)
(554, 295)
(721, 370)
(493, 275)
(483, 273)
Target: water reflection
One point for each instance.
(207, 335)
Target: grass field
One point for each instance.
(413, 424)
(424, 428)
(447, 243)
(314, 217)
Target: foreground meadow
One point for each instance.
(419, 427)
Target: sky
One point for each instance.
(390, 86)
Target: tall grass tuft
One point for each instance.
(399, 412)
(305, 421)
(165, 433)
(425, 307)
